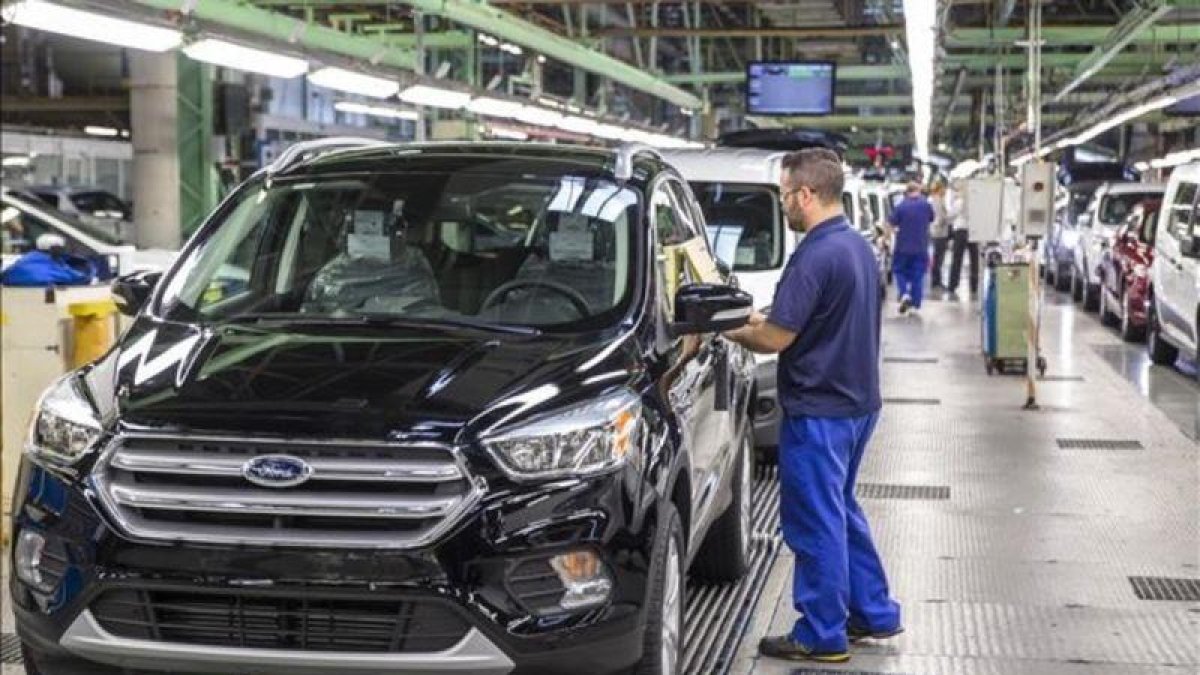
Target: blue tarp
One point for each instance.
(38, 268)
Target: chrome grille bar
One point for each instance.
(280, 503)
(200, 464)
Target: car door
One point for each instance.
(1175, 286)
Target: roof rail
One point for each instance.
(305, 150)
(625, 156)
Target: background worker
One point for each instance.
(911, 220)
(824, 323)
(960, 240)
(939, 233)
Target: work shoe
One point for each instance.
(905, 303)
(784, 647)
(856, 634)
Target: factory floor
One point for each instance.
(1058, 541)
(1009, 552)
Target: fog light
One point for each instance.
(584, 578)
(764, 406)
(28, 556)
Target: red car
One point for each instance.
(1125, 271)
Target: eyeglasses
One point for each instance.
(788, 193)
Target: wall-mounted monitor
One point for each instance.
(790, 87)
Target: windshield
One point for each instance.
(1116, 208)
(745, 224)
(28, 205)
(511, 244)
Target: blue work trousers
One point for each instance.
(909, 269)
(838, 575)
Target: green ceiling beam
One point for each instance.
(404, 37)
(1049, 60)
(982, 38)
(844, 72)
(247, 18)
(481, 16)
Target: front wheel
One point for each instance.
(1107, 316)
(1077, 287)
(662, 648)
(1130, 332)
(1161, 352)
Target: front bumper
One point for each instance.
(767, 413)
(469, 571)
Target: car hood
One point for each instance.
(351, 382)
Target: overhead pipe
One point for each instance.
(504, 25)
(246, 18)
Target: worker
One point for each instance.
(960, 241)
(911, 220)
(939, 233)
(824, 323)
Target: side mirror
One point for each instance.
(131, 291)
(1190, 248)
(710, 308)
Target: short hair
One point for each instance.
(913, 186)
(820, 169)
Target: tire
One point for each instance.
(662, 648)
(1091, 296)
(1107, 316)
(1129, 332)
(1076, 287)
(1062, 281)
(725, 554)
(1161, 352)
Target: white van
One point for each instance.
(1175, 273)
(738, 190)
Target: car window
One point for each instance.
(848, 207)
(423, 246)
(1114, 209)
(98, 203)
(21, 228)
(50, 198)
(1182, 211)
(744, 223)
(1148, 228)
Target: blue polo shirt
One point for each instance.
(912, 218)
(829, 296)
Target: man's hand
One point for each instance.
(761, 336)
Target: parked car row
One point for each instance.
(1135, 258)
(466, 411)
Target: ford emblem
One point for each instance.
(277, 471)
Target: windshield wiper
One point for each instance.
(300, 318)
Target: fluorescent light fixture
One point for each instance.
(1175, 159)
(354, 83)
(101, 131)
(435, 97)
(1123, 117)
(610, 132)
(541, 59)
(511, 49)
(495, 107)
(542, 117)
(1142, 166)
(78, 23)
(920, 32)
(16, 160)
(376, 110)
(578, 125)
(248, 59)
(508, 134)
(488, 40)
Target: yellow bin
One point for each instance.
(93, 329)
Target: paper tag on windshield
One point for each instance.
(568, 246)
(368, 222)
(371, 246)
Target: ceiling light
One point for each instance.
(541, 117)
(1121, 118)
(488, 40)
(508, 134)
(578, 125)
(435, 97)
(101, 131)
(354, 83)
(16, 160)
(920, 29)
(376, 110)
(53, 18)
(610, 132)
(495, 107)
(511, 49)
(248, 59)
(541, 59)
(1175, 159)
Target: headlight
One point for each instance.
(64, 425)
(584, 439)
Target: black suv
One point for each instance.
(400, 408)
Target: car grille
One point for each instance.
(358, 495)
(239, 619)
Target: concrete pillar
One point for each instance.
(152, 114)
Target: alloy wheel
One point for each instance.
(672, 610)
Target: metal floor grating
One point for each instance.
(1097, 444)
(1061, 378)
(718, 614)
(10, 648)
(885, 491)
(1166, 588)
(910, 359)
(900, 400)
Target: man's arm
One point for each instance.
(762, 336)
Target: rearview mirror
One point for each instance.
(131, 291)
(710, 308)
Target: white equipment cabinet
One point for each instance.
(1037, 198)
(985, 209)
